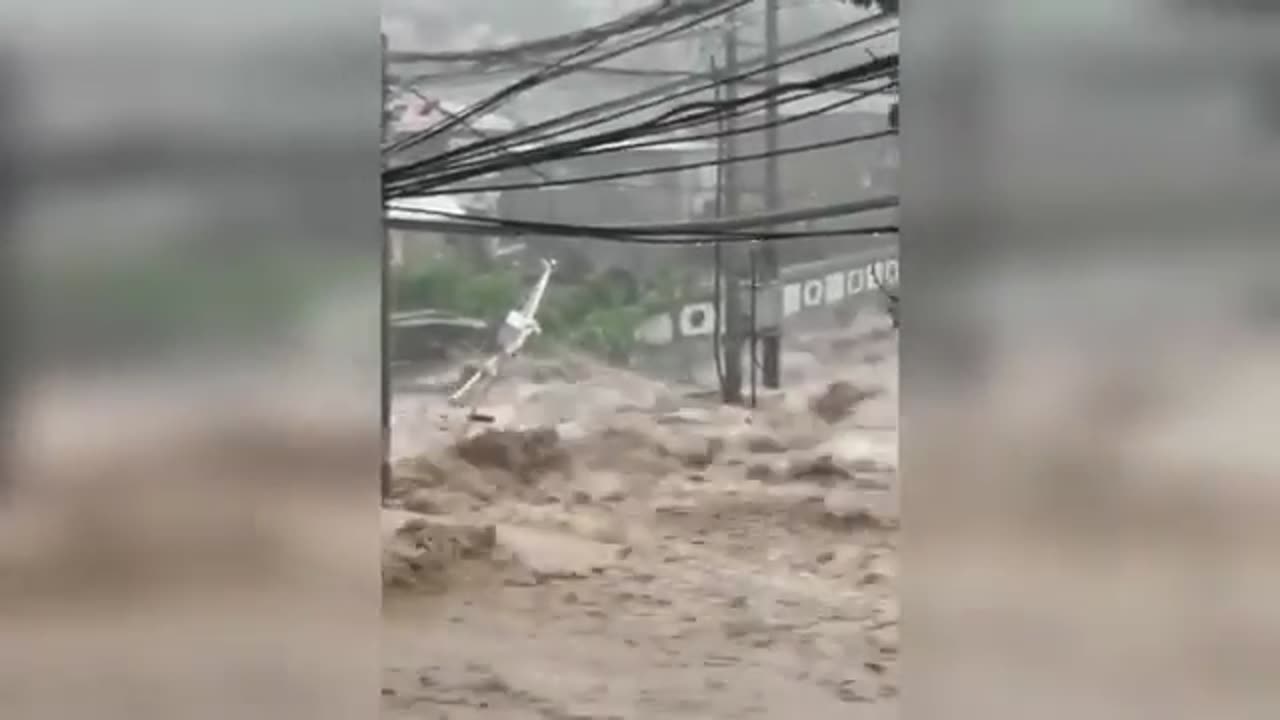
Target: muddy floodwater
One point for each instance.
(616, 546)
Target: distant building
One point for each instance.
(412, 112)
(413, 248)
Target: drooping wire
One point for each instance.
(463, 224)
(590, 116)
(741, 227)
(526, 83)
(567, 65)
(470, 127)
(684, 125)
(663, 169)
(569, 123)
(403, 178)
(659, 12)
(788, 120)
(427, 191)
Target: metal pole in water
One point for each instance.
(385, 303)
(733, 339)
(772, 340)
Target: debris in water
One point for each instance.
(839, 401)
(525, 453)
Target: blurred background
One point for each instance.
(1091, 245)
(206, 300)
(193, 244)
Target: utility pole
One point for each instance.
(732, 206)
(386, 302)
(769, 267)
(10, 314)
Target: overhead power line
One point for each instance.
(565, 66)
(639, 73)
(477, 132)
(742, 225)
(601, 113)
(414, 67)
(517, 160)
(694, 112)
(680, 167)
(789, 119)
(680, 88)
(854, 95)
(417, 177)
(522, 85)
(660, 12)
(587, 232)
(508, 150)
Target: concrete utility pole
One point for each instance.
(10, 317)
(769, 266)
(734, 335)
(385, 311)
